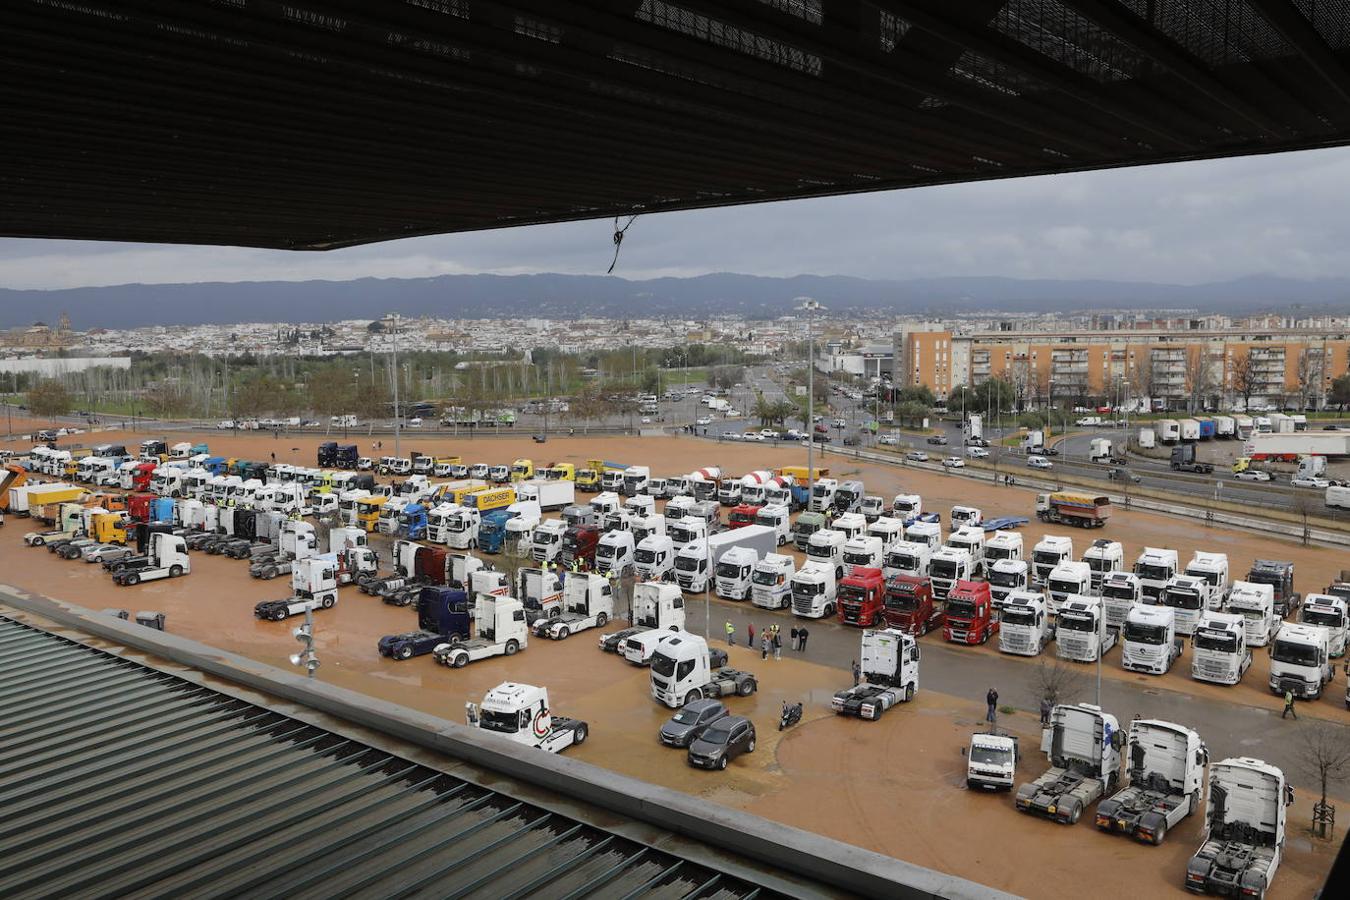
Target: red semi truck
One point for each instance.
(861, 598)
(970, 614)
(910, 605)
(742, 515)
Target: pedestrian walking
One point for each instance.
(795, 634)
(763, 645)
(857, 673)
(750, 629)
(991, 700)
(1288, 704)
(802, 635)
(731, 635)
(274, 457)
(777, 645)
(1045, 710)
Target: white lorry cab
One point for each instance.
(826, 547)
(654, 558)
(890, 530)
(1120, 591)
(733, 571)
(971, 539)
(1068, 579)
(1256, 604)
(1244, 829)
(1048, 553)
(1103, 557)
(907, 558)
(1213, 568)
(1003, 545)
(907, 506)
(1328, 611)
(1189, 596)
(1149, 639)
(862, 551)
(1300, 660)
(1024, 624)
(776, 516)
(1155, 567)
(521, 713)
(814, 587)
(771, 581)
(927, 533)
(1166, 764)
(1006, 577)
(1219, 651)
(681, 671)
(1081, 634)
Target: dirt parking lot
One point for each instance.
(894, 786)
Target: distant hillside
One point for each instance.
(563, 296)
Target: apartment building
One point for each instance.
(1177, 368)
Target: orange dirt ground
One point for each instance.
(893, 786)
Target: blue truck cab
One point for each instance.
(442, 614)
(215, 465)
(492, 530)
(412, 522)
(161, 509)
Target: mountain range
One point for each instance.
(570, 296)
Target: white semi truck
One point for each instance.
(1219, 650)
(1300, 660)
(1155, 567)
(1083, 744)
(1068, 579)
(1048, 553)
(1024, 624)
(521, 713)
(1081, 634)
(654, 558)
(890, 675)
(1166, 763)
(814, 589)
(1149, 639)
(907, 558)
(771, 581)
(1103, 557)
(499, 630)
(1328, 611)
(1256, 604)
(168, 558)
(1244, 829)
(1120, 591)
(587, 602)
(681, 671)
(655, 606)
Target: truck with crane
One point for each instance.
(889, 672)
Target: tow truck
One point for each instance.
(520, 713)
(1083, 744)
(890, 675)
(1167, 767)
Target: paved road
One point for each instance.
(1229, 729)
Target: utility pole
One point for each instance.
(810, 307)
(397, 451)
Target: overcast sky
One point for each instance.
(1184, 223)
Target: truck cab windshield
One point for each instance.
(807, 590)
(688, 564)
(1139, 633)
(961, 609)
(818, 551)
(1216, 640)
(1098, 564)
(663, 665)
(943, 568)
(994, 554)
(1046, 558)
(646, 556)
(1004, 579)
(767, 579)
(1318, 617)
(988, 756)
(1016, 616)
(901, 602)
(852, 592)
(1073, 622)
(728, 570)
(902, 561)
(1181, 599)
(504, 722)
(1063, 587)
(1294, 654)
(1153, 573)
(858, 559)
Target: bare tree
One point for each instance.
(1019, 375)
(1242, 376)
(1324, 754)
(1057, 682)
(1304, 505)
(1310, 372)
(1199, 377)
(1040, 386)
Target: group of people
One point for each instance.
(770, 639)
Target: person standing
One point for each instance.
(731, 635)
(750, 628)
(1288, 704)
(991, 700)
(764, 645)
(802, 635)
(777, 645)
(795, 634)
(857, 673)
(1045, 711)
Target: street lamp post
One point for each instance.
(397, 451)
(810, 307)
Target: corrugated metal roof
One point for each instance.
(119, 779)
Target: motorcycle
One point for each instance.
(791, 715)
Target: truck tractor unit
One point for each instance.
(814, 588)
(909, 605)
(635, 479)
(1328, 611)
(888, 529)
(1149, 640)
(873, 507)
(1068, 579)
(732, 573)
(947, 568)
(1003, 545)
(1185, 460)
(1280, 576)
(546, 542)
(540, 591)
(442, 617)
(1244, 830)
(907, 506)
(654, 558)
(1256, 604)
(1008, 576)
(1048, 553)
(742, 515)
(1119, 592)
(1155, 567)
(1300, 660)
(1166, 764)
(771, 581)
(521, 713)
(1190, 597)
(314, 585)
(969, 614)
(822, 495)
(579, 543)
(615, 552)
(889, 675)
(1103, 558)
(863, 551)
(655, 606)
(1078, 510)
(848, 497)
(1213, 567)
(1083, 744)
(681, 671)
(587, 602)
(777, 517)
(1024, 624)
(168, 558)
(1219, 651)
(827, 548)
(907, 558)
(1081, 634)
(861, 598)
(499, 630)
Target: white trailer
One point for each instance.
(1166, 763)
(890, 675)
(550, 494)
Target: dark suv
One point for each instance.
(721, 742)
(691, 721)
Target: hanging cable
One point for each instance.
(618, 240)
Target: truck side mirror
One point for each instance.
(1117, 739)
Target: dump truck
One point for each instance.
(889, 673)
(1078, 510)
(1083, 745)
(1166, 764)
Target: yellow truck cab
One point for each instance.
(1242, 464)
(323, 484)
(560, 472)
(588, 480)
(368, 512)
(73, 464)
(522, 470)
(110, 528)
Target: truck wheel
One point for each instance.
(131, 578)
(279, 614)
(404, 652)
(579, 736)
(600, 620)
(555, 612)
(328, 602)
(1159, 833)
(909, 692)
(175, 571)
(563, 632)
(460, 660)
(695, 694)
(745, 688)
(1074, 816)
(512, 647)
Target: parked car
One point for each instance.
(916, 456)
(1039, 462)
(977, 452)
(704, 420)
(1310, 482)
(888, 439)
(723, 741)
(691, 721)
(938, 440)
(1253, 475)
(752, 436)
(954, 462)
